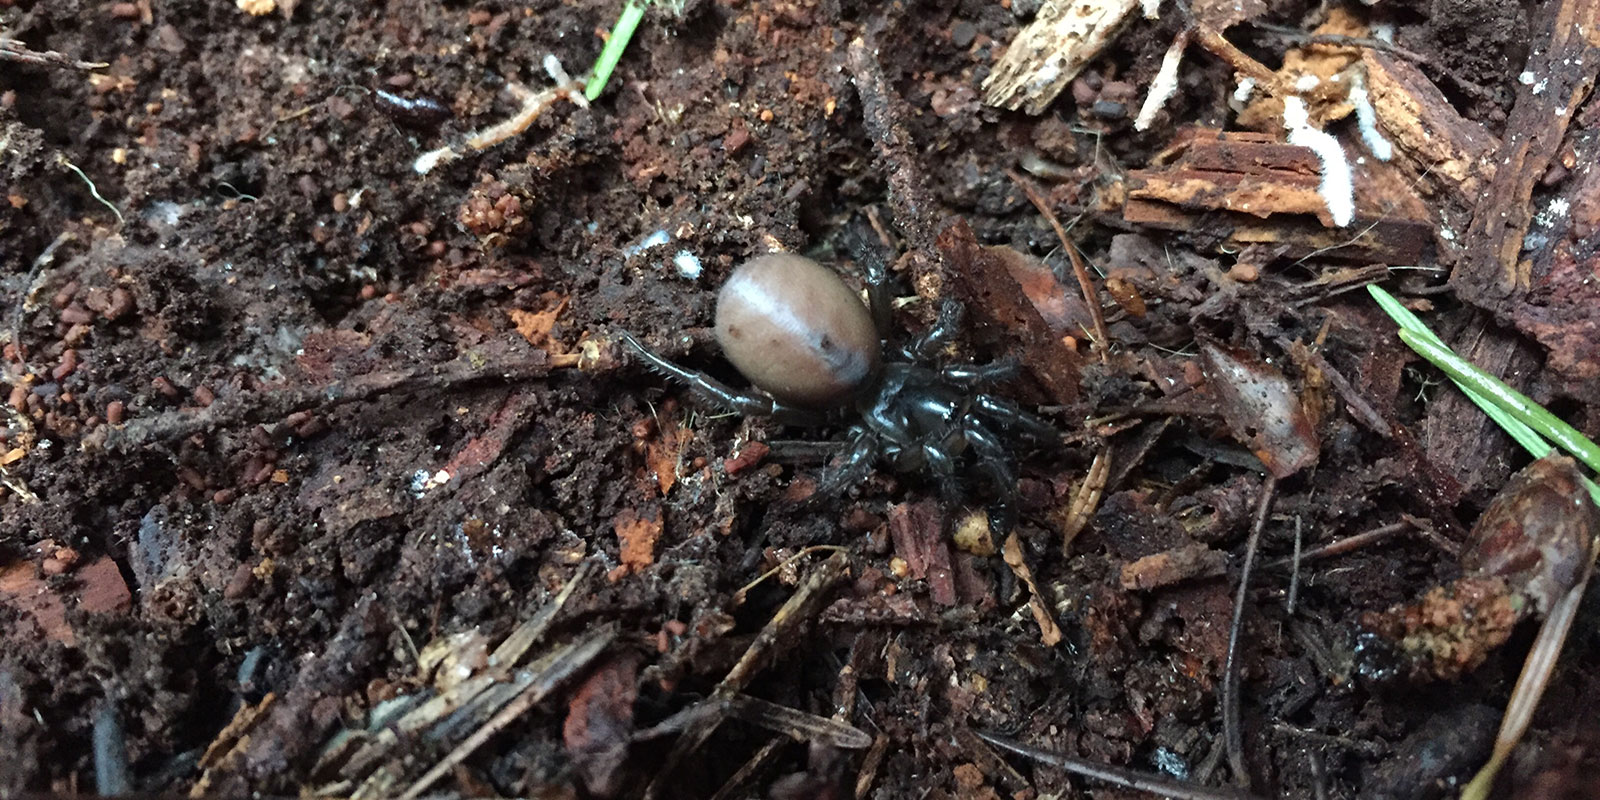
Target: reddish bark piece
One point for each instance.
(1173, 566)
(98, 588)
(918, 535)
(1241, 188)
(1261, 409)
(1563, 63)
(995, 296)
(1562, 306)
(600, 723)
(747, 457)
(482, 451)
(636, 539)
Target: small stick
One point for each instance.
(1091, 297)
(1231, 732)
(13, 50)
(533, 105)
(278, 403)
(1345, 545)
(571, 660)
(1294, 572)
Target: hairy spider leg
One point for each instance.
(716, 392)
(994, 464)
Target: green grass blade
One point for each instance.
(1512, 401)
(621, 34)
(1414, 330)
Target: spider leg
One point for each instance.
(856, 465)
(1012, 418)
(994, 463)
(969, 375)
(940, 454)
(717, 393)
(923, 347)
(879, 296)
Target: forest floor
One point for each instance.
(326, 473)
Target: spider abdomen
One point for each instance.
(796, 331)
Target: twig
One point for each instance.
(1345, 545)
(1231, 733)
(1294, 570)
(1091, 297)
(570, 661)
(777, 635)
(13, 50)
(276, 404)
(1119, 776)
(882, 112)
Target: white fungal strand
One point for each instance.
(1246, 87)
(1367, 120)
(1338, 188)
(1164, 86)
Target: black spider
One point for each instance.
(806, 341)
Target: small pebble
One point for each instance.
(125, 11)
(166, 388)
(76, 315)
(67, 365)
(116, 411)
(1244, 273)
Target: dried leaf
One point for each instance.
(1049, 632)
(1261, 409)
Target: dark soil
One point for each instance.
(301, 412)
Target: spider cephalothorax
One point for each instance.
(806, 341)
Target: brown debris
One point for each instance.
(1045, 56)
(1453, 628)
(1562, 65)
(1439, 148)
(1261, 409)
(599, 724)
(636, 540)
(1238, 188)
(986, 280)
(1174, 566)
(1049, 632)
(96, 587)
(918, 533)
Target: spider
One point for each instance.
(810, 347)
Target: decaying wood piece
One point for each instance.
(1456, 434)
(1445, 152)
(1064, 37)
(1560, 72)
(1562, 308)
(1234, 189)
